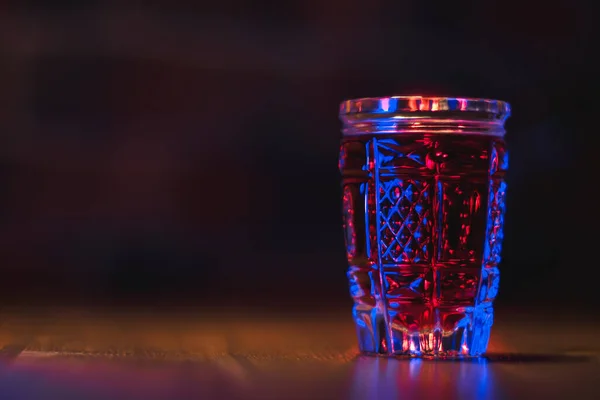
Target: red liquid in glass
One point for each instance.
(423, 218)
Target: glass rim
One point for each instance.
(415, 105)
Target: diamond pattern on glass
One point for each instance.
(404, 152)
(407, 284)
(490, 280)
(495, 221)
(405, 220)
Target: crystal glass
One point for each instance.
(423, 209)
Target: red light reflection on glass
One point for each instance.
(412, 104)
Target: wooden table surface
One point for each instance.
(194, 354)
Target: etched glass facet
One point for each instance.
(423, 215)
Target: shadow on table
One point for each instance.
(537, 358)
(379, 377)
(375, 377)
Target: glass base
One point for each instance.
(452, 332)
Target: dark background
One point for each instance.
(162, 154)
